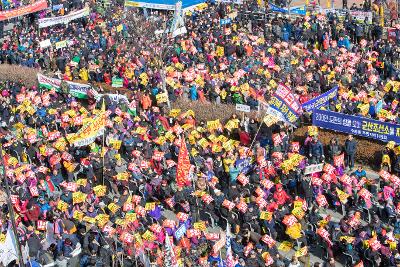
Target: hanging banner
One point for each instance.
(24, 10)
(163, 4)
(284, 101)
(296, 10)
(48, 83)
(356, 125)
(47, 22)
(321, 100)
(237, 2)
(275, 8)
(90, 131)
(78, 90)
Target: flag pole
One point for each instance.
(103, 105)
(10, 208)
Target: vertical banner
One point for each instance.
(286, 103)
(182, 171)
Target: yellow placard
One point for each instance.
(174, 112)
(113, 207)
(162, 98)
(285, 246)
(200, 226)
(150, 206)
(130, 217)
(265, 215)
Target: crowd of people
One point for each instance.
(241, 61)
(158, 185)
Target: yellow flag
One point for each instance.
(82, 182)
(89, 219)
(102, 219)
(294, 231)
(78, 215)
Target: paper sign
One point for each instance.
(243, 108)
(313, 168)
(45, 43)
(61, 44)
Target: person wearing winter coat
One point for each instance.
(316, 150)
(350, 148)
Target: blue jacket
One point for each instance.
(316, 149)
(350, 147)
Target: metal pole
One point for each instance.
(162, 65)
(10, 208)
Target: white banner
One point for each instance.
(313, 168)
(44, 44)
(8, 252)
(47, 22)
(243, 108)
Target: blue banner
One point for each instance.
(321, 100)
(180, 231)
(286, 103)
(300, 10)
(356, 125)
(224, 21)
(276, 8)
(57, 7)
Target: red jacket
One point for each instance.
(33, 213)
(244, 138)
(281, 197)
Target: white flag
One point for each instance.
(169, 257)
(8, 251)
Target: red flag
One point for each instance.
(183, 168)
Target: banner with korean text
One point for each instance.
(47, 22)
(284, 101)
(23, 10)
(356, 125)
(321, 100)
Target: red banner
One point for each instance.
(24, 10)
(182, 171)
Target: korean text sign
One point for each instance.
(321, 100)
(286, 103)
(356, 125)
